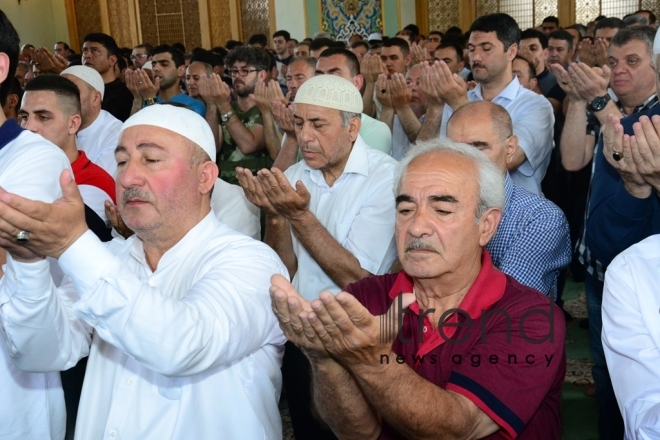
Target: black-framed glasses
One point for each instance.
(241, 72)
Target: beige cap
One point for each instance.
(180, 120)
(87, 74)
(330, 91)
(148, 66)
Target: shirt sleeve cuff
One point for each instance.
(629, 206)
(85, 261)
(30, 279)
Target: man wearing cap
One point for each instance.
(331, 217)
(176, 315)
(99, 130)
(32, 407)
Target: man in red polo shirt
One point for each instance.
(449, 347)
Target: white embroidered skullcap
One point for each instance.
(376, 36)
(180, 120)
(87, 74)
(330, 91)
(148, 65)
(656, 44)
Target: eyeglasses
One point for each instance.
(136, 57)
(242, 72)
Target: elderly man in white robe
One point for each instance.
(183, 340)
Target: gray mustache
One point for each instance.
(418, 245)
(134, 193)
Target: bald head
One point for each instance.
(486, 126)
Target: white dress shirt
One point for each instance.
(99, 141)
(631, 336)
(358, 211)
(31, 404)
(190, 351)
(232, 208)
(533, 124)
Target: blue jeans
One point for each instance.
(610, 422)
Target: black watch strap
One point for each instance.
(599, 103)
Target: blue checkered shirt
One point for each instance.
(532, 242)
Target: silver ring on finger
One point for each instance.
(22, 237)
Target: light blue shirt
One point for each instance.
(533, 124)
(195, 104)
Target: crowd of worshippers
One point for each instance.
(381, 228)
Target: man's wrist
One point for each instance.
(636, 190)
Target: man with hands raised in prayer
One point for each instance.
(390, 356)
(492, 47)
(403, 106)
(330, 218)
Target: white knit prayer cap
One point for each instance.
(330, 91)
(180, 120)
(656, 44)
(87, 74)
(148, 66)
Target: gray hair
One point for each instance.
(321, 34)
(347, 116)
(636, 19)
(491, 179)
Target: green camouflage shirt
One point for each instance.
(231, 157)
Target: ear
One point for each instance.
(263, 75)
(4, 67)
(408, 60)
(533, 83)
(354, 128)
(546, 53)
(97, 100)
(358, 80)
(488, 225)
(207, 176)
(112, 59)
(74, 124)
(461, 66)
(181, 70)
(12, 101)
(512, 51)
(511, 145)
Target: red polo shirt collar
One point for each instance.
(486, 290)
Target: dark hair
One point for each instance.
(66, 46)
(15, 88)
(651, 15)
(398, 42)
(294, 40)
(232, 44)
(582, 30)
(285, 34)
(61, 86)
(413, 28)
(436, 33)
(457, 48)
(177, 55)
(74, 59)
(533, 33)
(375, 45)
(504, 26)
(260, 39)
(178, 46)
(551, 19)
(645, 34)
(311, 62)
(454, 38)
(146, 47)
(104, 40)
(599, 18)
(122, 63)
(453, 30)
(561, 34)
(321, 42)
(351, 59)
(610, 23)
(530, 66)
(252, 56)
(360, 43)
(8, 45)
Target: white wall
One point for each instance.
(290, 16)
(407, 13)
(39, 22)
